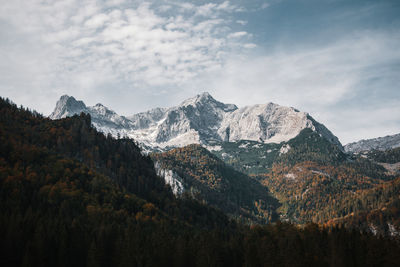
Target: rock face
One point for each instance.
(67, 106)
(200, 120)
(104, 119)
(269, 123)
(171, 178)
(380, 143)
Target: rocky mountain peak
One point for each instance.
(103, 110)
(205, 99)
(199, 120)
(200, 98)
(380, 143)
(67, 106)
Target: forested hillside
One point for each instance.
(315, 181)
(255, 158)
(376, 210)
(69, 196)
(206, 178)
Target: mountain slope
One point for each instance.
(313, 192)
(27, 138)
(66, 200)
(104, 119)
(195, 171)
(199, 120)
(376, 210)
(70, 196)
(380, 143)
(254, 158)
(315, 181)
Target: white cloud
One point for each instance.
(210, 10)
(319, 80)
(97, 21)
(241, 22)
(323, 75)
(129, 50)
(264, 5)
(249, 45)
(206, 10)
(353, 123)
(237, 34)
(90, 44)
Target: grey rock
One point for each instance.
(380, 143)
(201, 120)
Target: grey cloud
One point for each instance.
(88, 44)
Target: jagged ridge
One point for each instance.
(200, 120)
(380, 143)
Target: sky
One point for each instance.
(339, 60)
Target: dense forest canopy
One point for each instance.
(70, 196)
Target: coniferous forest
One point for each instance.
(70, 196)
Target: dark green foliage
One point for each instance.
(314, 180)
(62, 204)
(26, 139)
(368, 168)
(211, 180)
(311, 192)
(75, 138)
(256, 158)
(310, 146)
(388, 156)
(249, 157)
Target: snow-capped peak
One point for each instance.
(67, 106)
(206, 99)
(203, 97)
(200, 119)
(103, 110)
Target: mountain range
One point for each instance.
(380, 143)
(71, 196)
(198, 120)
(297, 166)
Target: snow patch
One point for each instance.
(225, 155)
(213, 148)
(284, 149)
(373, 229)
(290, 176)
(392, 230)
(199, 120)
(321, 173)
(171, 178)
(190, 137)
(244, 145)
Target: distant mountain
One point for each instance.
(104, 119)
(71, 196)
(199, 120)
(380, 143)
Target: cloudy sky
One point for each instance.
(339, 60)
